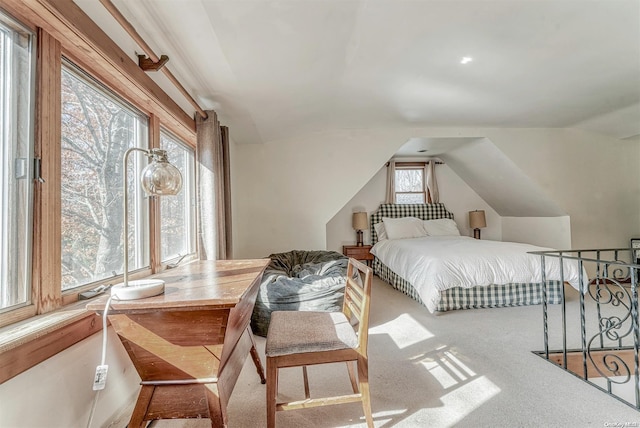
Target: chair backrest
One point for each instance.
(357, 299)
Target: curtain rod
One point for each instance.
(415, 163)
(113, 10)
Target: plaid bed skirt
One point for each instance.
(491, 296)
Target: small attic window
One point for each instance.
(409, 184)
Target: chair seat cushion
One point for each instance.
(293, 332)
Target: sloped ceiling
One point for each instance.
(489, 172)
(275, 69)
(280, 69)
(518, 195)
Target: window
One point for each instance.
(97, 129)
(177, 231)
(60, 236)
(409, 185)
(16, 162)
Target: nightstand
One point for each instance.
(358, 253)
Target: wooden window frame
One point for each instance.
(56, 320)
(193, 220)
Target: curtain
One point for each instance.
(391, 182)
(213, 188)
(227, 193)
(431, 185)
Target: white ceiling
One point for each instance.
(275, 69)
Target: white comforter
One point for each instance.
(436, 263)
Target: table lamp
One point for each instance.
(158, 178)
(360, 223)
(477, 221)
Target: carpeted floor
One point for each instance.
(470, 368)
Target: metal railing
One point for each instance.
(595, 335)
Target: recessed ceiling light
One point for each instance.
(466, 60)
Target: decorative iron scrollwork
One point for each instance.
(611, 292)
(609, 335)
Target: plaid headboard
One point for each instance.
(421, 211)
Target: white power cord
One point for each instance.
(104, 331)
(100, 378)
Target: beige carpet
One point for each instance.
(470, 368)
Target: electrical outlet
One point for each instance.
(100, 380)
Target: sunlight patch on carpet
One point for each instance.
(447, 369)
(457, 404)
(463, 400)
(405, 331)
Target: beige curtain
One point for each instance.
(213, 189)
(226, 167)
(391, 182)
(431, 185)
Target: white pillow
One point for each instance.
(381, 232)
(405, 227)
(441, 227)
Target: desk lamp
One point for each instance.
(158, 178)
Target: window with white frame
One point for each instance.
(97, 129)
(16, 161)
(410, 185)
(177, 213)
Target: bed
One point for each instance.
(408, 268)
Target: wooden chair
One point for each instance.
(299, 338)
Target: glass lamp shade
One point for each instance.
(160, 177)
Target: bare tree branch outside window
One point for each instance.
(96, 132)
(409, 186)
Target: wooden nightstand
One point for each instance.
(358, 253)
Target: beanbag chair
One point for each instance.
(300, 280)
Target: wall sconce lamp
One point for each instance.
(477, 221)
(360, 223)
(158, 178)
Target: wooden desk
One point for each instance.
(189, 344)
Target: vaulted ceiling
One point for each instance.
(275, 69)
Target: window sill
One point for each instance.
(29, 342)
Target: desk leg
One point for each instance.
(140, 410)
(217, 412)
(256, 357)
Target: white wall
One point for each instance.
(286, 192)
(594, 178)
(58, 392)
(499, 181)
(552, 232)
(457, 196)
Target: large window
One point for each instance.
(97, 129)
(177, 231)
(16, 162)
(409, 185)
(63, 134)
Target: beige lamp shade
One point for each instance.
(360, 221)
(477, 219)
